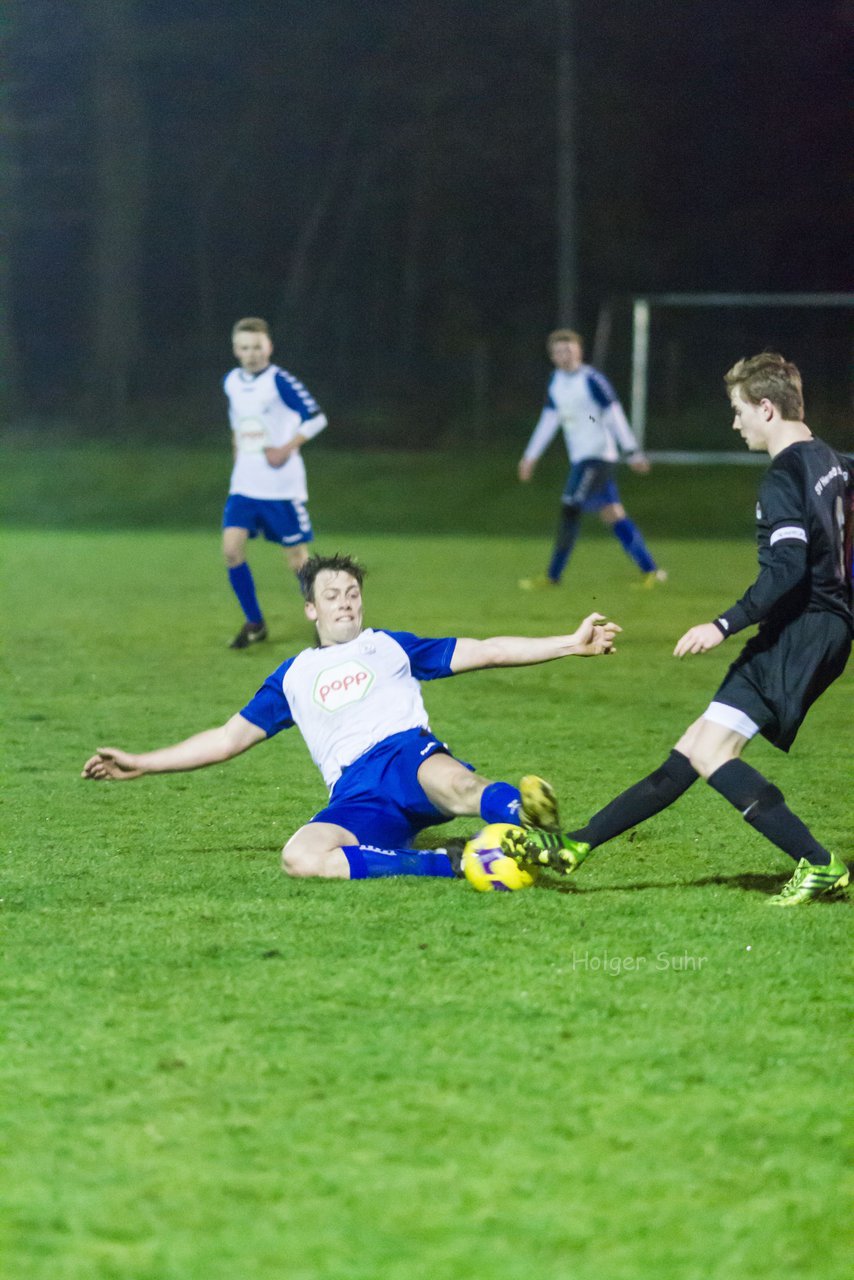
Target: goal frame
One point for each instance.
(642, 310)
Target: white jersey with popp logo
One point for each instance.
(269, 408)
(347, 698)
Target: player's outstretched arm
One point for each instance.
(592, 638)
(699, 639)
(211, 746)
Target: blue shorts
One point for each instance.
(279, 520)
(590, 485)
(379, 797)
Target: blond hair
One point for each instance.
(250, 324)
(769, 376)
(563, 335)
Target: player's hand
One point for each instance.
(595, 636)
(699, 640)
(526, 469)
(277, 455)
(640, 463)
(110, 764)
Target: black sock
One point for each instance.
(647, 797)
(763, 806)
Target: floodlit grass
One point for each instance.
(137, 485)
(212, 1072)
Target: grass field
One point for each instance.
(212, 1072)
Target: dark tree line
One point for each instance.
(380, 180)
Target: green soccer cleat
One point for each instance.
(539, 804)
(539, 583)
(655, 578)
(810, 882)
(544, 849)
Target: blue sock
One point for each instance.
(368, 863)
(631, 540)
(567, 533)
(243, 586)
(500, 803)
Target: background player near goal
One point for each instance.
(272, 416)
(582, 402)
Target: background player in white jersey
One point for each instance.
(802, 601)
(356, 700)
(582, 402)
(272, 416)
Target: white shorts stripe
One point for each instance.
(731, 718)
(788, 533)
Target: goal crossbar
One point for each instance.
(641, 311)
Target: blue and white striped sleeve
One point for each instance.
(298, 398)
(613, 416)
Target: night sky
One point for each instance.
(378, 179)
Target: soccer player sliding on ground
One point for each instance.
(802, 601)
(356, 699)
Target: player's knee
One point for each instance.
(469, 788)
(296, 556)
(673, 777)
(707, 759)
(299, 861)
(233, 559)
(462, 793)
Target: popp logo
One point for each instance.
(339, 686)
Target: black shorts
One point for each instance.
(780, 672)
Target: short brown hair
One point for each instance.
(250, 324)
(564, 335)
(769, 376)
(336, 564)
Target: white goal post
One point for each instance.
(643, 309)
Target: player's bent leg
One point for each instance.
(708, 744)
(454, 789)
(296, 557)
(459, 792)
(327, 851)
(317, 849)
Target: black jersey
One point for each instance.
(801, 533)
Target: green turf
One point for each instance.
(84, 486)
(212, 1072)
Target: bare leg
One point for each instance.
(451, 787)
(316, 850)
(295, 557)
(234, 546)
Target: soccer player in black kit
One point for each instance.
(802, 601)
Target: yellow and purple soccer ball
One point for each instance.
(486, 868)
